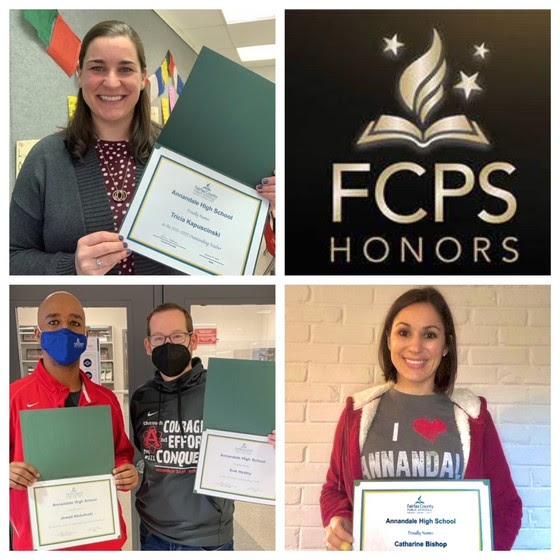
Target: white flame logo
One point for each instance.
(421, 89)
(421, 83)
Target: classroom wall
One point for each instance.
(503, 335)
(39, 87)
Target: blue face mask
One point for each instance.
(64, 346)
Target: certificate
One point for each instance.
(194, 219)
(236, 466)
(73, 512)
(423, 515)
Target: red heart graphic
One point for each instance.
(429, 430)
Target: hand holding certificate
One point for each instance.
(432, 515)
(236, 461)
(73, 511)
(75, 501)
(196, 208)
(194, 219)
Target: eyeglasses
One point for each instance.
(175, 338)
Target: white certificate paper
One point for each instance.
(194, 219)
(236, 466)
(73, 512)
(423, 515)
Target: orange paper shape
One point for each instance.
(65, 46)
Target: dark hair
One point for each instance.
(447, 369)
(170, 307)
(79, 132)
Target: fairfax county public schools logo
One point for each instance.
(74, 494)
(421, 88)
(243, 450)
(419, 506)
(205, 192)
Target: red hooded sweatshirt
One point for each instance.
(482, 451)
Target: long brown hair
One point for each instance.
(447, 370)
(79, 132)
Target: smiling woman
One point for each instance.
(416, 426)
(75, 186)
(417, 346)
(419, 351)
(111, 79)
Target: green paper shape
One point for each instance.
(239, 396)
(224, 119)
(68, 442)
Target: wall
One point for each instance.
(39, 87)
(503, 337)
(241, 328)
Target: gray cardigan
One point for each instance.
(56, 200)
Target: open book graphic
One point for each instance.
(389, 127)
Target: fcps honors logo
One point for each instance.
(468, 216)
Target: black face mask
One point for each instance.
(171, 359)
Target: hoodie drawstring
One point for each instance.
(179, 411)
(158, 406)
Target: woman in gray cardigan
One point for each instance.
(63, 214)
(74, 188)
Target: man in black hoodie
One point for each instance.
(166, 415)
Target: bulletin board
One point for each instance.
(39, 88)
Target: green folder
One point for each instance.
(239, 396)
(68, 442)
(224, 119)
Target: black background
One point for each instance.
(338, 79)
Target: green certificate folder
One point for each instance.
(196, 208)
(239, 396)
(224, 119)
(68, 442)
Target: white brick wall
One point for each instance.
(331, 352)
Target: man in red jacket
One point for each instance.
(57, 382)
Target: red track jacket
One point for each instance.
(42, 388)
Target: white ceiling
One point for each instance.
(208, 28)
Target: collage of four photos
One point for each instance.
(335, 330)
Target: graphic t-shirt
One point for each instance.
(413, 436)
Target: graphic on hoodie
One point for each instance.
(413, 436)
(173, 446)
(152, 439)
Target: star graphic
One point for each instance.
(481, 50)
(392, 44)
(468, 84)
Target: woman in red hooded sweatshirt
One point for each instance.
(416, 426)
